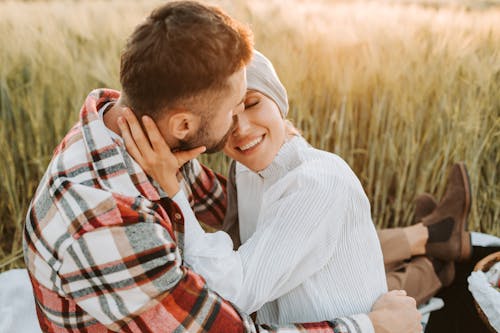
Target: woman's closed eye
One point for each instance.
(251, 103)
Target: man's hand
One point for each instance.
(394, 312)
(152, 152)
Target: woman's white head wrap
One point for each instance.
(262, 77)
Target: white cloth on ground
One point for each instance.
(426, 309)
(17, 304)
(484, 240)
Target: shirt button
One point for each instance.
(178, 216)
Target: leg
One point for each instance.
(417, 277)
(395, 247)
(399, 244)
(441, 232)
(447, 224)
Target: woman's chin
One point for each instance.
(256, 167)
(256, 158)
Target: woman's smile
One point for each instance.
(251, 145)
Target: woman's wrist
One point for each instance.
(170, 186)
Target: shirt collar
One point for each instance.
(105, 151)
(287, 158)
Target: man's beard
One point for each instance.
(202, 138)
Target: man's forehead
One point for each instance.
(239, 78)
(238, 84)
(231, 95)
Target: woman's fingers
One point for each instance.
(129, 140)
(155, 137)
(162, 148)
(150, 148)
(184, 156)
(138, 135)
(399, 292)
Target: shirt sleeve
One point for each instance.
(206, 192)
(297, 232)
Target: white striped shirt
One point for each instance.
(310, 251)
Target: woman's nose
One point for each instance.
(241, 124)
(239, 109)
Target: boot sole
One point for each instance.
(465, 249)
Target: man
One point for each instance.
(103, 243)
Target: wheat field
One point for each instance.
(400, 90)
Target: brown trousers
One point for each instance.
(413, 274)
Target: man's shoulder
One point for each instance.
(70, 191)
(71, 162)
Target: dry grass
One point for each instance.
(401, 91)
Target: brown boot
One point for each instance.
(448, 239)
(445, 271)
(424, 205)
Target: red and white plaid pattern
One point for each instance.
(103, 245)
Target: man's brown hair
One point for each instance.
(184, 48)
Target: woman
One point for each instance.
(310, 250)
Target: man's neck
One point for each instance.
(110, 118)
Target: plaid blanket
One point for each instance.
(103, 244)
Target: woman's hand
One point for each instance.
(152, 152)
(394, 312)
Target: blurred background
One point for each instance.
(400, 89)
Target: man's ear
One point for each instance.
(182, 124)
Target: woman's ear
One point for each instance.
(183, 124)
(290, 129)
